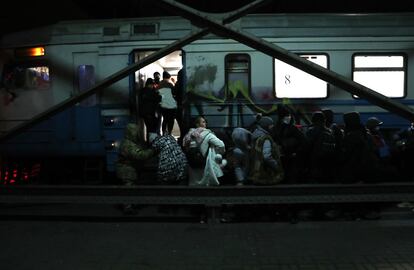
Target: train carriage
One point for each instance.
(226, 81)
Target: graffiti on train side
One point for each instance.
(200, 88)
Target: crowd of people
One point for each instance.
(158, 100)
(273, 152)
(267, 153)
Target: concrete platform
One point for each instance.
(119, 245)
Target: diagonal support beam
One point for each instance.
(129, 69)
(292, 59)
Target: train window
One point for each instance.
(291, 82)
(237, 75)
(382, 73)
(86, 80)
(28, 77)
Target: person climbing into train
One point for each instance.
(293, 144)
(168, 103)
(178, 94)
(205, 151)
(150, 99)
(267, 168)
(133, 152)
(172, 162)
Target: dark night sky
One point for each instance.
(19, 16)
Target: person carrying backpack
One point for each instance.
(240, 154)
(267, 167)
(321, 150)
(360, 163)
(204, 153)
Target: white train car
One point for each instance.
(226, 81)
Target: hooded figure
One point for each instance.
(352, 122)
(381, 147)
(241, 160)
(360, 162)
(132, 151)
(321, 149)
(292, 143)
(267, 168)
(336, 130)
(284, 114)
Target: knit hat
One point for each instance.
(265, 122)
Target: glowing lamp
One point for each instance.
(30, 52)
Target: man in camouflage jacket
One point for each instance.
(132, 150)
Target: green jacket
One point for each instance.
(130, 152)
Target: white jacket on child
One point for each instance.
(211, 148)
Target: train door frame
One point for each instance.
(134, 96)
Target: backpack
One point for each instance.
(195, 158)
(260, 173)
(325, 144)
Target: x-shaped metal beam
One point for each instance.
(291, 58)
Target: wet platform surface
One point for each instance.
(117, 244)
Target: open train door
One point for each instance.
(172, 63)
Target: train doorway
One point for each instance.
(171, 63)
